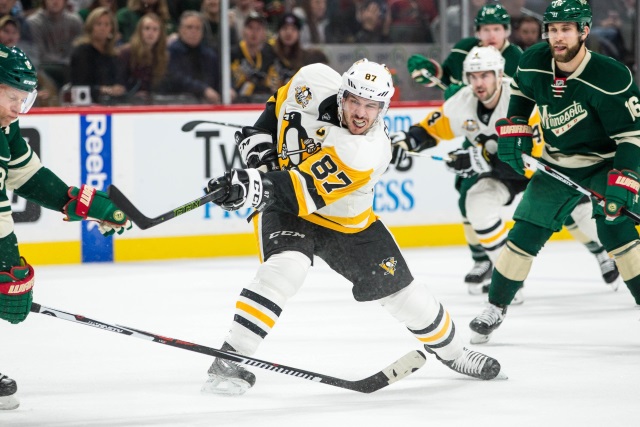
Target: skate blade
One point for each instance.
(477, 338)
(614, 285)
(501, 376)
(225, 386)
(8, 402)
(478, 288)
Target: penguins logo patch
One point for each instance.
(470, 125)
(389, 265)
(303, 95)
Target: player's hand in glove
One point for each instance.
(622, 192)
(257, 149)
(451, 90)
(468, 162)
(242, 188)
(401, 142)
(516, 138)
(419, 65)
(88, 203)
(16, 292)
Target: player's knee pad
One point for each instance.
(484, 202)
(280, 277)
(584, 227)
(628, 259)
(414, 305)
(514, 263)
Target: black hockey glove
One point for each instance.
(257, 149)
(242, 188)
(468, 162)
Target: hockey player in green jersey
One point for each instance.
(22, 172)
(493, 26)
(590, 115)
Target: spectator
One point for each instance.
(314, 15)
(193, 66)
(110, 4)
(375, 19)
(54, 29)
(143, 61)
(47, 90)
(609, 38)
(211, 12)
(291, 55)
(129, 16)
(8, 7)
(453, 14)
(253, 70)
(240, 11)
(176, 7)
(526, 32)
(93, 60)
(411, 20)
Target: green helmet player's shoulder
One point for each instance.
(465, 45)
(606, 74)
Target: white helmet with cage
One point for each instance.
(368, 80)
(483, 58)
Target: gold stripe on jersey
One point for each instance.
(437, 125)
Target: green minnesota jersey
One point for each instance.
(452, 66)
(584, 116)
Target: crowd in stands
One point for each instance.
(168, 51)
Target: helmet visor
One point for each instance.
(28, 101)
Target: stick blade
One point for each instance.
(120, 200)
(401, 368)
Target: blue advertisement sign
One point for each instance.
(95, 167)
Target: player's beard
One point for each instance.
(569, 54)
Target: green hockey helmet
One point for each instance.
(492, 14)
(577, 11)
(17, 71)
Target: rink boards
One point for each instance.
(160, 166)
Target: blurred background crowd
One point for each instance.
(143, 52)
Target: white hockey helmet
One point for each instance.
(483, 58)
(368, 80)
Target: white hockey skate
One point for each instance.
(8, 390)
(609, 270)
(487, 322)
(228, 378)
(479, 277)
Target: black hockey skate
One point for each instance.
(474, 364)
(227, 377)
(8, 390)
(479, 277)
(487, 322)
(609, 270)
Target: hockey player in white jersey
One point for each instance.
(314, 157)
(485, 183)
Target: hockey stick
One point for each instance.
(399, 369)
(599, 199)
(189, 126)
(418, 154)
(143, 222)
(434, 79)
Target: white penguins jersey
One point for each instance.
(459, 117)
(332, 171)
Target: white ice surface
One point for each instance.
(572, 351)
